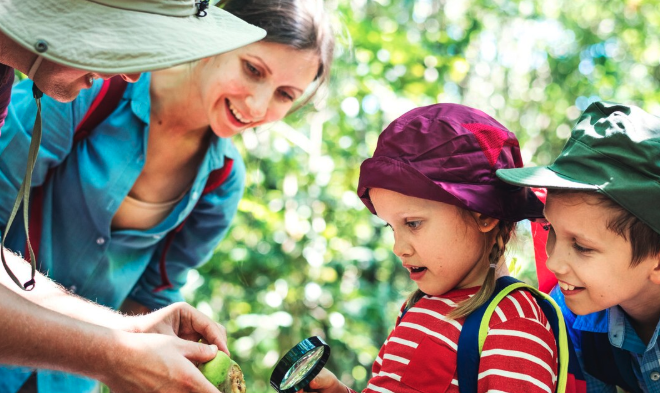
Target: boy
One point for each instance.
(604, 243)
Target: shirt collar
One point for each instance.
(614, 322)
(138, 93)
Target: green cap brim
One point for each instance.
(542, 177)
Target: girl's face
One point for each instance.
(592, 263)
(441, 247)
(253, 85)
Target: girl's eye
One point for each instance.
(388, 225)
(413, 224)
(252, 70)
(580, 249)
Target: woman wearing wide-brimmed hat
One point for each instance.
(113, 200)
(63, 45)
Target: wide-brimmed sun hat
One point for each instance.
(123, 36)
(449, 153)
(614, 149)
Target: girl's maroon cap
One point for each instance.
(449, 153)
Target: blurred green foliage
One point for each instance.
(304, 256)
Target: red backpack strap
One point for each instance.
(216, 179)
(540, 228)
(103, 105)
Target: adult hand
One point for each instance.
(145, 363)
(326, 382)
(184, 321)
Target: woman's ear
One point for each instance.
(485, 223)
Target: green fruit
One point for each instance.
(224, 374)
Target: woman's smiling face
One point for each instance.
(253, 85)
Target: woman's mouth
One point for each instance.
(235, 114)
(568, 289)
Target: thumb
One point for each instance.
(199, 352)
(319, 382)
(324, 380)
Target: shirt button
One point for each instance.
(655, 376)
(72, 289)
(100, 241)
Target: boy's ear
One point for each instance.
(655, 273)
(484, 222)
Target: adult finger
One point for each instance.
(199, 352)
(211, 331)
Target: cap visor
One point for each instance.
(541, 177)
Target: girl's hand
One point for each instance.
(326, 382)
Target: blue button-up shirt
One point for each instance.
(613, 321)
(90, 180)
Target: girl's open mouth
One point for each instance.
(416, 273)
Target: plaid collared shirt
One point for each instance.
(645, 359)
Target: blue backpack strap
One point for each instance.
(475, 329)
(468, 354)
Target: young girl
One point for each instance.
(432, 179)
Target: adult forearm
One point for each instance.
(50, 295)
(34, 336)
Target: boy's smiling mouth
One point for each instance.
(569, 289)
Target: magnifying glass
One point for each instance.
(300, 365)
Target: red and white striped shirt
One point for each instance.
(519, 354)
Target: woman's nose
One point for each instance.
(257, 104)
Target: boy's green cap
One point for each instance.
(613, 149)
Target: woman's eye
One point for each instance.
(285, 96)
(252, 70)
(413, 224)
(388, 225)
(580, 249)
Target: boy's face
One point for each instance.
(592, 263)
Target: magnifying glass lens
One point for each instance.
(299, 370)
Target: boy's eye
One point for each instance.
(414, 224)
(580, 249)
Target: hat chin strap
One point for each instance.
(35, 67)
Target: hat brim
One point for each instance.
(95, 37)
(542, 177)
